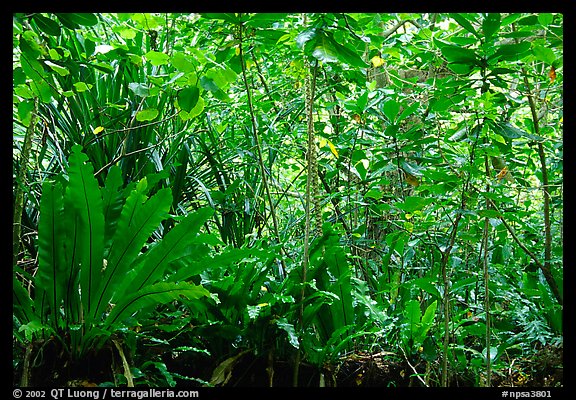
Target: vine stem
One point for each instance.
(257, 136)
(546, 268)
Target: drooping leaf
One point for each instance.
(138, 219)
(150, 296)
(154, 262)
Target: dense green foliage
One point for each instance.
(301, 187)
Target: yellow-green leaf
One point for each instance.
(147, 115)
(98, 130)
(333, 148)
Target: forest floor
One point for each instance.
(543, 369)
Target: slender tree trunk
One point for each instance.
(21, 182)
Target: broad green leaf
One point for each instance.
(183, 63)
(208, 84)
(425, 284)
(25, 111)
(173, 245)
(157, 58)
(47, 25)
(188, 98)
(428, 317)
(459, 55)
(197, 110)
(346, 55)
(138, 219)
(82, 87)
(461, 69)
(373, 193)
(83, 192)
(290, 331)
(147, 114)
(439, 175)
(75, 20)
(228, 17)
(413, 314)
(511, 52)
(60, 70)
(509, 131)
(41, 90)
(32, 68)
(21, 302)
(491, 25)
(544, 54)
(408, 111)
(50, 277)
(545, 19)
(463, 20)
(112, 201)
(391, 109)
(414, 203)
(304, 37)
(84, 19)
(139, 89)
(150, 296)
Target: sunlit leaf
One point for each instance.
(148, 114)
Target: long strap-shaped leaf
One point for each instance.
(50, 277)
(148, 296)
(83, 191)
(139, 218)
(171, 247)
